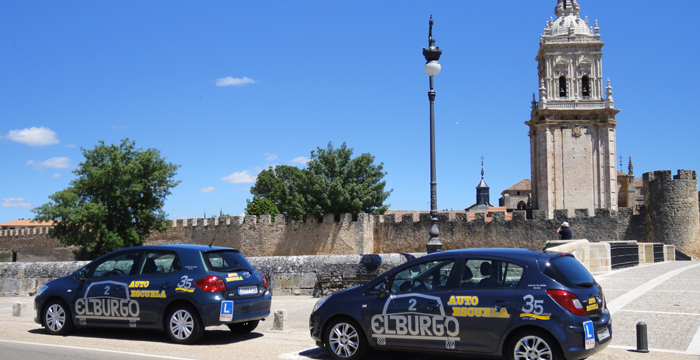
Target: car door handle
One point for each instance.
(118, 288)
(166, 286)
(501, 303)
(432, 305)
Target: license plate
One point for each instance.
(247, 290)
(603, 334)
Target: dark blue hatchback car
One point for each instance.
(512, 303)
(177, 288)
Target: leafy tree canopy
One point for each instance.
(115, 201)
(332, 183)
(261, 206)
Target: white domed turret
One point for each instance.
(568, 20)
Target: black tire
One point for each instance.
(57, 318)
(532, 344)
(345, 339)
(183, 324)
(244, 327)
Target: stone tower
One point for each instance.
(671, 215)
(572, 126)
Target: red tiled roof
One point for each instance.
(26, 223)
(522, 185)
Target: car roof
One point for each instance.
(501, 252)
(182, 247)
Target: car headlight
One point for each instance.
(320, 302)
(41, 290)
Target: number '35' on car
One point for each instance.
(509, 303)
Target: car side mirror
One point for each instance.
(382, 290)
(81, 275)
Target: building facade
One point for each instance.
(572, 126)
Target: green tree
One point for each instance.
(332, 183)
(115, 201)
(284, 186)
(340, 184)
(261, 206)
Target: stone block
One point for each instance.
(20, 309)
(424, 217)
(407, 218)
(561, 215)
(328, 218)
(480, 218)
(519, 215)
(498, 217)
(539, 215)
(280, 320)
(345, 218)
(280, 219)
(581, 213)
(251, 219)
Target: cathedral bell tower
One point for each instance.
(572, 126)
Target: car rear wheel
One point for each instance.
(57, 319)
(244, 327)
(184, 325)
(345, 339)
(533, 345)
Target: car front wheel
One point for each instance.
(57, 319)
(345, 339)
(244, 327)
(534, 345)
(184, 325)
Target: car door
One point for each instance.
(413, 315)
(485, 301)
(104, 297)
(157, 274)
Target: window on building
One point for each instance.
(562, 86)
(585, 86)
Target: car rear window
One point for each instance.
(226, 261)
(568, 271)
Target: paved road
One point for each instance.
(663, 295)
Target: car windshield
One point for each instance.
(226, 261)
(568, 271)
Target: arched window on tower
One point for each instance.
(585, 86)
(562, 86)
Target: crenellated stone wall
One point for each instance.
(670, 217)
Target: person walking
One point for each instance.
(564, 231)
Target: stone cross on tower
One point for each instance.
(572, 128)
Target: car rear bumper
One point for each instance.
(244, 309)
(575, 348)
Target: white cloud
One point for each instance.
(57, 162)
(208, 189)
(300, 160)
(16, 203)
(240, 177)
(119, 127)
(232, 81)
(270, 157)
(56, 175)
(242, 189)
(34, 136)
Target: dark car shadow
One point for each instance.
(211, 337)
(321, 354)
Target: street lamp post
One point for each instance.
(432, 68)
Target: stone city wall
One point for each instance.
(670, 217)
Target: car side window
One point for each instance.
(117, 265)
(427, 276)
(160, 262)
(490, 274)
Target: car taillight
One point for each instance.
(211, 284)
(568, 301)
(264, 281)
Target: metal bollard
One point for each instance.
(642, 343)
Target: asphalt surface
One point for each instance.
(663, 295)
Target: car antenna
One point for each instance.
(543, 249)
(212, 240)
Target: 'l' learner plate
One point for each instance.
(588, 332)
(603, 334)
(247, 290)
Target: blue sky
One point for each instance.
(227, 88)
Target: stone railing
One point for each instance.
(575, 105)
